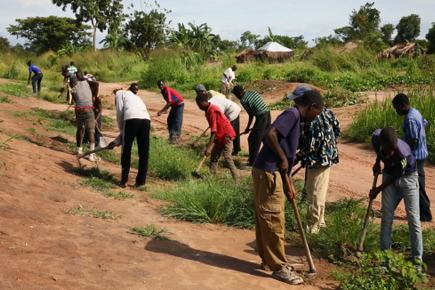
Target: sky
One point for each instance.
(230, 18)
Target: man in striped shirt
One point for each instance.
(414, 127)
(255, 107)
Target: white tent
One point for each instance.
(274, 47)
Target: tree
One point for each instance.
(149, 30)
(430, 36)
(362, 23)
(5, 46)
(227, 45)
(248, 40)
(50, 33)
(324, 41)
(387, 31)
(287, 41)
(408, 28)
(101, 13)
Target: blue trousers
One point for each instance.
(175, 120)
(36, 79)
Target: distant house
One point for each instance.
(271, 51)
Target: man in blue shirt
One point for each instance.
(275, 160)
(399, 180)
(37, 77)
(414, 134)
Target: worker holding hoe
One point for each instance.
(229, 108)
(414, 134)
(399, 181)
(276, 159)
(255, 107)
(82, 96)
(222, 135)
(37, 77)
(175, 117)
(133, 122)
(318, 152)
(228, 80)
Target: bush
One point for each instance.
(398, 274)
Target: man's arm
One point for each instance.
(251, 117)
(273, 143)
(165, 108)
(28, 80)
(210, 144)
(94, 87)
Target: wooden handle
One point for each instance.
(360, 247)
(301, 230)
(200, 164)
(92, 151)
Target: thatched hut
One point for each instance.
(401, 49)
(271, 51)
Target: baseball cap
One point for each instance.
(200, 88)
(299, 92)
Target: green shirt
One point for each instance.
(253, 103)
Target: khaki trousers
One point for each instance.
(269, 202)
(227, 151)
(225, 90)
(317, 187)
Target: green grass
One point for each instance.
(5, 99)
(15, 90)
(100, 214)
(381, 114)
(121, 195)
(150, 232)
(57, 121)
(27, 139)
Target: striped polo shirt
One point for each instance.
(253, 103)
(413, 128)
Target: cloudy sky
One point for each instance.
(230, 18)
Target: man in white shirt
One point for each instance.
(133, 122)
(229, 108)
(226, 81)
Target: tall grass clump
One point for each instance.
(381, 114)
(170, 162)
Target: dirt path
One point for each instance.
(44, 247)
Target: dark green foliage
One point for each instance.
(408, 29)
(50, 33)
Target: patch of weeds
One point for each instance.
(398, 274)
(401, 240)
(15, 90)
(5, 99)
(243, 154)
(150, 232)
(3, 147)
(122, 195)
(344, 221)
(27, 139)
(339, 97)
(99, 180)
(105, 215)
(170, 162)
(110, 156)
(12, 73)
(107, 123)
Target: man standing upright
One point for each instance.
(227, 80)
(175, 117)
(133, 122)
(37, 77)
(414, 134)
(229, 108)
(82, 96)
(318, 152)
(72, 69)
(274, 161)
(222, 135)
(255, 107)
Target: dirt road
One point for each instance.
(42, 246)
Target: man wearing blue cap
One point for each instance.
(318, 152)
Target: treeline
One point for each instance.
(145, 30)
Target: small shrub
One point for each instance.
(121, 195)
(398, 274)
(12, 72)
(150, 232)
(6, 100)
